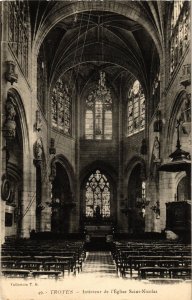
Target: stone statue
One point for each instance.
(38, 150)
(53, 171)
(155, 159)
(156, 150)
(10, 124)
(10, 109)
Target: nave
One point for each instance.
(95, 147)
(98, 131)
(137, 259)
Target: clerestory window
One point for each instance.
(135, 109)
(180, 32)
(61, 104)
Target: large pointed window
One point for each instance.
(135, 109)
(98, 112)
(61, 103)
(97, 196)
(180, 32)
(18, 31)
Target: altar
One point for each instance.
(95, 230)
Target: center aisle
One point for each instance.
(100, 263)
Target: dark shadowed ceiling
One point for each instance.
(95, 40)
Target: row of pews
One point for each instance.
(26, 258)
(152, 259)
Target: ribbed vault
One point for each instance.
(122, 37)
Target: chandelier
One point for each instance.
(142, 202)
(102, 88)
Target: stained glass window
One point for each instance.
(61, 100)
(18, 31)
(180, 30)
(135, 109)
(98, 112)
(97, 195)
(176, 10)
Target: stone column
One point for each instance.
(73, 224)
(28, 207)
(28, 201)
(46, 212)
(76, 215)
(121, 218)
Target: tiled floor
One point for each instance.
(100, 263)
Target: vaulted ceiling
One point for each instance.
(98, 39)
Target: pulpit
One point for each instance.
(178, 216)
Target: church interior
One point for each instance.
(95, 138)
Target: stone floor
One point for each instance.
(99, 263)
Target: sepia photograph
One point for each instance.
(95, 150)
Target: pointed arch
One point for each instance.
(60, 158)
(12, 92)
(103, 167)
(132, 163)
(177, 103)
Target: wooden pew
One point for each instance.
(8, 264)
(130, 263)
(15, 272)
(47, 273)
(70, 259)
(159, 272)
(30, 265)
(155, 263)
(180, 272)
(58, 266)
